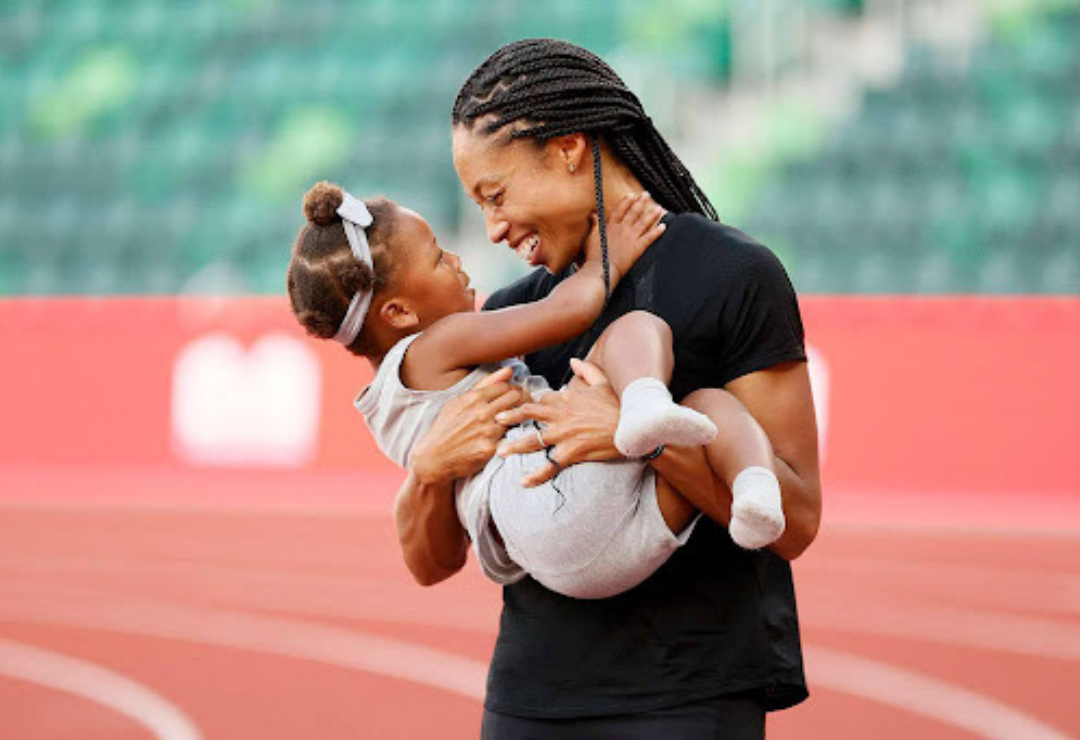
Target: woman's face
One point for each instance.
(529, 196)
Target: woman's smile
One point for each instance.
(529, 249)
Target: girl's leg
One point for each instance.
(676, 510)
(636, 354)
(636, 345)
(742, 458)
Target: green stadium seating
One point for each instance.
(956, 179)
(146, 145)
(156, 146)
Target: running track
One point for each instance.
(228, 610)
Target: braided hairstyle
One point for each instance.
(554, 88)
(323, 274)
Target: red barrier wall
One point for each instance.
(965, 394)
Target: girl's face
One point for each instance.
(530, 198)
(429, 279)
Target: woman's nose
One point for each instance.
(497, 228)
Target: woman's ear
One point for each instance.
(397, 313)
(569, 151)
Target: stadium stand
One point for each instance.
(160, 147)
(964, 177)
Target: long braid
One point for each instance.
(598, 181)
(556, 88)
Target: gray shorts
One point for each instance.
(594, 531)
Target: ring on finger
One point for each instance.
(540, 436)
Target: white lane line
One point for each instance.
(354, 596)
(924, 695)
(99, 685)
(981, 629)
(999, 588)
(290, 638)
(358, 597)
(875, 681)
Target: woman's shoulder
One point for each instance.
(696, 246)
(694, 231)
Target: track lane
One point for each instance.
(340, 569)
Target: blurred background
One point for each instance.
(880, 146)
(195, 531)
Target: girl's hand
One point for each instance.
(465, 434)
(578, 423)
(632, 226)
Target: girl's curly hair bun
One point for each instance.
(321, 203)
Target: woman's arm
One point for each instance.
(468, 339)
(581, 425)
(781, 400)
(433, 542)
(459, 443)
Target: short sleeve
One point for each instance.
(761, 318)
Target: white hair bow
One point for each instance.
(355, 218)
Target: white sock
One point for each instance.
(649, 418)
(757, 511)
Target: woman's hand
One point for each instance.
(578, 423)
(464, 435)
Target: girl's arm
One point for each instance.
(465, 340)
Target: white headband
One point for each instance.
(355, 217)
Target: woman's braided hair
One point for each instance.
(556, 88)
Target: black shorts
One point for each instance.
(712, 719)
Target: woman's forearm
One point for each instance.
(687, 470)
(459, 444)
(433, 542)
(780, 399)
(802, 510)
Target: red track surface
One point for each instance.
(284, 622)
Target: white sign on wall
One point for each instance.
(238, 407)
(818, 368)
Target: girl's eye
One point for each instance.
(496, 199)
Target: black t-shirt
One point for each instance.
(715, 619)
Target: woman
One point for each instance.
(544, 134)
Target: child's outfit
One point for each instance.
(593, 531)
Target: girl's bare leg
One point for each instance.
(636, 354)
(742, 457)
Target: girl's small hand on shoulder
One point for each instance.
(634, 224)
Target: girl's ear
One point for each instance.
(399, 314)
(569, 151)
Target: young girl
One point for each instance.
(372, 276)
